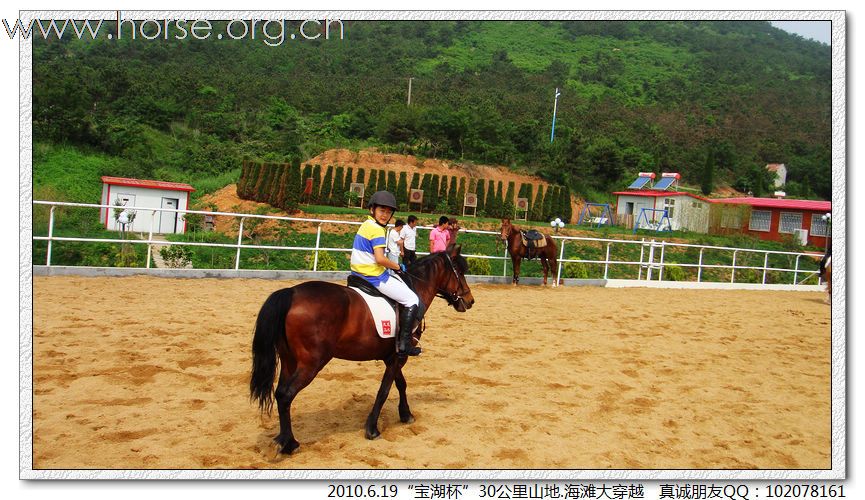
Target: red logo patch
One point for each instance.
(385, 328)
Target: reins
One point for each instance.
(451, 298)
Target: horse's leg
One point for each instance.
(386, 382)
(516, 263)
(290, 383)
(544, 264)
(405, 415)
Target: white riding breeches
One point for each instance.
(398, 291)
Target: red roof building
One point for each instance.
(774, 218)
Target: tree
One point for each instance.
(401, 190)
(481, 196)
(339, 187)
(537, 211)
(316, 183)
(453, 202)
(391, 182)
(326, 186)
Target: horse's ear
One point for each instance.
(454, 249)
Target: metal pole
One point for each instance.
(555, 107)
(765, 265)
(733, 269)
(640, 267)
(700, 266)
(505, 267)
(651, 260)
(796, 272)
(239, 242)
(150, 238)
(317, 240)
(607, 261)
(408, 103)
(661, 270)
(50, 234)
(561, 256)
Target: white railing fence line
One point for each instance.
(652, 252)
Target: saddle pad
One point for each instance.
(535, 243)
(383, 314)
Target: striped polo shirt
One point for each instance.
(369, 236)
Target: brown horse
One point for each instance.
(306, 326)
(512, 235)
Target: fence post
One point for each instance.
(642, 251)
(796, 272)
(559, 267)
(607, 261)
(651, 260)
(239, 243)
(317, 240)
(700, 266)
(733, 268)
(50, 234)
(505, 261)
(150, 238)
(765, 265)
(661, 270)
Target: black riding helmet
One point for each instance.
(382, 198)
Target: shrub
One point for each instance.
(576, 270)
(176, 256)
(326, 262)
(480, 267)
(673, 272)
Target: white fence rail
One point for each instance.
(651, 265)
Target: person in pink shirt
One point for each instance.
(439, 237)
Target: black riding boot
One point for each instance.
(404, 348)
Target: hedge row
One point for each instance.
(284, 186)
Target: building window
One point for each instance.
(731, 218)
(819, 226)
(669, 205)
(790, 221)
(760, 220)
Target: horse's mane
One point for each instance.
(423, 264)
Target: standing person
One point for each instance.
(453, 229)
(394, 247)
(408, 236)
(439, 237)
(370, 263)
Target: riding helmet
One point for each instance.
(384, 199)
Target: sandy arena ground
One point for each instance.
(153, 373)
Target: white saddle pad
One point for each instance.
(383, 314)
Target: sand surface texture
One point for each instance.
(141, 373)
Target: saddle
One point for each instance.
(385, 311)
(532, 240)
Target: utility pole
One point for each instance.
(409, 91)
(555, 105)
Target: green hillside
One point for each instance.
(714, 101)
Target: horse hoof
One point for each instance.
(284, 448)
(373, 435)
(408, 420)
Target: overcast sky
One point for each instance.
(815, 30)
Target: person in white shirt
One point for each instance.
(408, 236)
(394, 246)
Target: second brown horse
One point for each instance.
(512, 237)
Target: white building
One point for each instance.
(686, 211)
(779, 172)
(137, 196)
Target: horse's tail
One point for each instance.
(269, 329)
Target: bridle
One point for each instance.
(453, 298)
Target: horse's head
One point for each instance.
(506, 229)
(454, 287)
